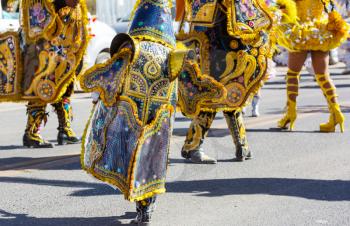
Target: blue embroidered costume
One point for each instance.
(127, 138)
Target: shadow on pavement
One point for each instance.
(278, 130)
(182, 132)
(89, 189)
(317, 87)
(184, 119)
(339, 86)
(323, 190)
(310, 109)
(12, 147)
(340, 79)
(225, 132)
(10, 219)
(71, 162)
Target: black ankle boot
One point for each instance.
(66, 134)
(36, 116)
(198, 157)
(242, 154)
(65, 137)
(37, 142)
(234, 120)
(144, 209)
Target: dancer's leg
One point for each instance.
(196, 134)
(296, 61)
(235, 123)
(63, 109)
(37, 116)
(320, 63)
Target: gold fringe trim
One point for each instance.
(152, 39)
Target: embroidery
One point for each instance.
(10, 67)
(53, 48)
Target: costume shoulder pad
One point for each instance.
(108, 78)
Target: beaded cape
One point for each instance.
(127, 138)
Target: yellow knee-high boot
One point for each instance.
(292, 93)
(336, 116)
(196, 134)
(36, 117)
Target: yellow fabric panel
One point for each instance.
(310, 9)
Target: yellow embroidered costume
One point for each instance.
(320, 28)
(232, 42)
(38, 64)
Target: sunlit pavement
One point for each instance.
(295, 178)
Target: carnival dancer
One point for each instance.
(127, 137)
(233, 45)
(326, 31)
(40, 64)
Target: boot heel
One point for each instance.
(287, 123)
(61, 139)
(336, 116)
(342, 127)
(334, 119)
(60, 142)
(291, 126)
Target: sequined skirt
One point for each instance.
(323, 34)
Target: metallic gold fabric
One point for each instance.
(54, 41)
(236, 59)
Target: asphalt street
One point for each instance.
(296, 178)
